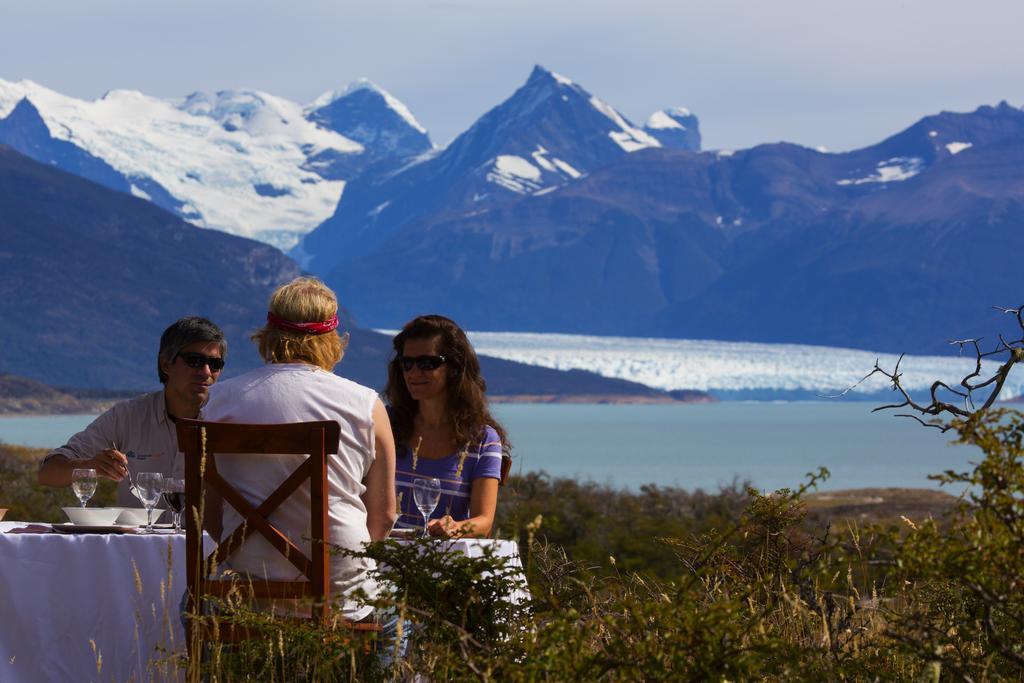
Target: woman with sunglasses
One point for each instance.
(443, 428)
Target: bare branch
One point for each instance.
(848, 389)
(970, 383)
(1018, 312)
(941, 427)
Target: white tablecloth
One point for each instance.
(509, 550)
(60, 593)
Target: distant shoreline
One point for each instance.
(75, 406)
(24, 397)
(43, 407)
(599, 399)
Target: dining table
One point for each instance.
(89, 606)
(107, 606)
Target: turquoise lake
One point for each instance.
(772, 445)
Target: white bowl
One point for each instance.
(136, 516)
(80, 516)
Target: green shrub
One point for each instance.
(961, 590)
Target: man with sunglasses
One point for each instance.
(139, 434)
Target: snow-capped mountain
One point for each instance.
(25, 131)
(878, 248)
(372, 117)
(675, 128)
(550, 132)
(241, 161)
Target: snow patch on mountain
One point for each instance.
(560, 78)
(211, 152)
(957, 147)
(515, 173)
(661, 120)
(889, 171)
(141, 194)
(554, 164)
(671, 364)
(538, 156)
(566, 168)
(628, 137)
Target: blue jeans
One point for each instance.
(386, 652)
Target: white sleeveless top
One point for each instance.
(296, 392)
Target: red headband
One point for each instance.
(324, 327)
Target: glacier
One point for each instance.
(730, 367)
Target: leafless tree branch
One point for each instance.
(971, 383)
(941, 427)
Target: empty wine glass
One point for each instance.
(174, 496)
(151, 487)
(426, 493)
(83, 483)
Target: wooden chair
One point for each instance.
(506, 467)
(201, 441)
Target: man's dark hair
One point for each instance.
(184, 332)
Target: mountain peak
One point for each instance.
(25, 108)
(123, 94)
(541, 75)
(363, 83)
(364, 87)
(374, 118)
(24, 128)
(674, 117)
(547, 94)
(675, 128)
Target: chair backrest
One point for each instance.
(201, 442)
(506, 467)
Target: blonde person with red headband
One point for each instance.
(301, 345)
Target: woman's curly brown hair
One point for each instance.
(467, 391)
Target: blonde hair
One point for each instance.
(304, 299)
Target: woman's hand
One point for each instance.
(445, 527)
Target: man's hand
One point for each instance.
(109, 463)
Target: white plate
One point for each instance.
(92, 516)
(136, 516)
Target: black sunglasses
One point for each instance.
(198, 360)
(421, 362)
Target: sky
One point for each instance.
(837, 74)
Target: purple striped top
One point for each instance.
(481, 460)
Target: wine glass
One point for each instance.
(151, 486)
(426, 493)
(83, 483)
(174, 496)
